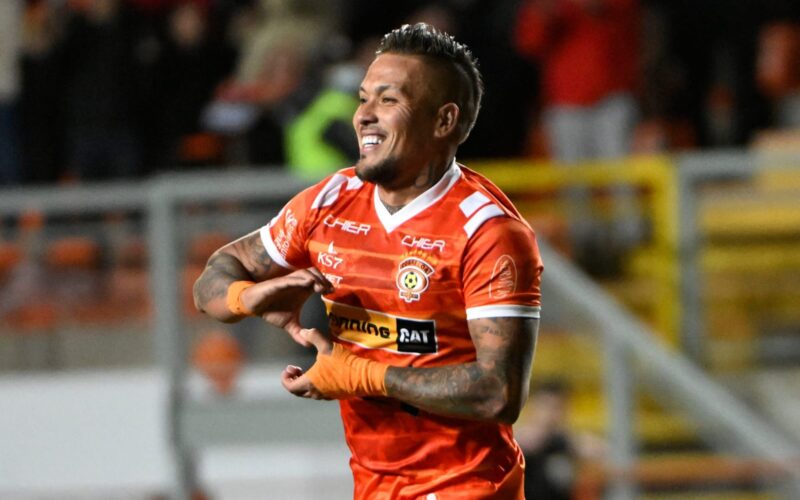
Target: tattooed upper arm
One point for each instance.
(504, 347)
(250, 251)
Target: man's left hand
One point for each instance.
(294, 379)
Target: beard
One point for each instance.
(384, 172)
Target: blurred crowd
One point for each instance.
(100, 89)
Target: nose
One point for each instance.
(365, 114)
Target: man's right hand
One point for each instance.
(277, 296)
(279, 300)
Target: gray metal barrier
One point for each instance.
(628, 343)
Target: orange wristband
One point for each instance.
(341, 374)
(234, 298)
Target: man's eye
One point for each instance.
(362, 100)
(388, 100)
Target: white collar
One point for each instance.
(420, 203)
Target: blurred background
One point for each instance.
(654, 145)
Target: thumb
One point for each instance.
(320, 340)
(296, 332)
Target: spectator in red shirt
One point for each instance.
(587, 51)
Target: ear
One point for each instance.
(446, 120)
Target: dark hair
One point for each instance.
(422, 39)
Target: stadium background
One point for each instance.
(136, 136)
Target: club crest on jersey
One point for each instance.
(413, 278)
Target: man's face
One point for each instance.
(395, 119)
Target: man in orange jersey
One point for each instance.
(430, 278)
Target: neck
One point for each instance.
(395, 198)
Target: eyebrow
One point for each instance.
(382, 88)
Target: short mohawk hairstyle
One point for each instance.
(422, 39)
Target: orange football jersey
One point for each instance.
(406, 285)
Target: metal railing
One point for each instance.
(674, 380)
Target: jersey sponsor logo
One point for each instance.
(347, 226)
(343, 323)
(423, 243)
(504, 278)
(285, 234)
(413, 278)
(334, 279)
(330, 258)
(377, 330)
(416, 336)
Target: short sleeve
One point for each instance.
(502, 270)
(284, 237)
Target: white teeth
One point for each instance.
(370, 140)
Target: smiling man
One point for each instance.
(430, 278)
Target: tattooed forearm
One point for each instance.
(494, 387)
(222, 270)
(244, 259)
(468, 390)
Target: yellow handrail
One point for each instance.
(657, 173)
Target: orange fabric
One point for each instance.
(234, 298)
(492, 484)
(342, 374)
(584, 56)
(405, 286)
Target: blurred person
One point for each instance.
(40, 99)
(662, 128)
(317, 117)
(189, 67)
(10, 52)
(276, 51)
(300, 24)
(100, 91)
(588, 53)
(486, 27)
(778, 71)
(430, 278)
(552, 450)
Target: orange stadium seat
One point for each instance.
(10, 256)
(75, 252)
(74, 263)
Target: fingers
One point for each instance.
(296, 332)
(304, 278)
(290, 373)
(290, 380)
(293, 380)
(321, 283)
(321, 342)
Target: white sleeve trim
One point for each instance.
(272, 250)
(330, 192)
(472, 203)
(481, 216)
(503, 310)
